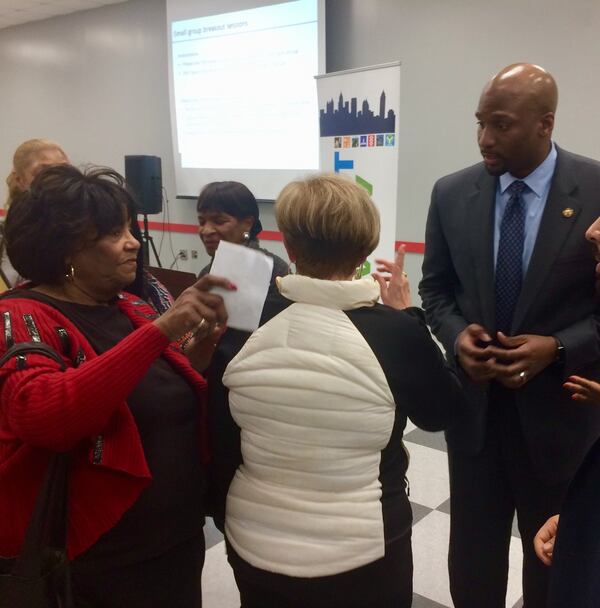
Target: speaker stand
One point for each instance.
(147, 243)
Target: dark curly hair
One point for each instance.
(232, 198)
(63, 209)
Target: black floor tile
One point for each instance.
(212, 536)
(422, 602)
(419, 512)
(429, 440)
(444, 507)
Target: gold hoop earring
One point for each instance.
(70, 274)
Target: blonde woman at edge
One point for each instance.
(317, 513)
(29, 159)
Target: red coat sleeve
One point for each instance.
(48, 408)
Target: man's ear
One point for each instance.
(547, 124)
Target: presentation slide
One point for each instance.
(244, 95)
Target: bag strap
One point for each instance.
(22, 349)
(48, 524)
(49, 520)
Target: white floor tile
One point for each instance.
(218, 585)
(515, 567)
(430, 556)
(427, 475)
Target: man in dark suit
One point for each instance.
(508, 288)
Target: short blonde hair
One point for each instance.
(329, 222)
(23, 157)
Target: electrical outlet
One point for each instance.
(194, 254)
(183, 255)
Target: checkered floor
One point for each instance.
(429, 495)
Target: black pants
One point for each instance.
(385, 583)
(485, 492)
(171, 580)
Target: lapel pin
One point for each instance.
(568, 212)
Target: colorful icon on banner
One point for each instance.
(371, 140)
(337, 142)
(390, 139)
(363, 141)
(347, 142)
(355, 142)
(380, 139)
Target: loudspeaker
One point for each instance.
(144, 176)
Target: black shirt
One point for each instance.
(165, 409)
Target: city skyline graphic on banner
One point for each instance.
(346, 119)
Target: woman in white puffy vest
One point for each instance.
(317, 513)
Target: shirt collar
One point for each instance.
(538, 179)
(343, 295)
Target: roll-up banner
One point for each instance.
(359, 128)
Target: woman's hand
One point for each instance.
(395, 288)
(196, 310)
(584, 390)
(199, 351)
(543, 543)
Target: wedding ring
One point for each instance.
(200, 327)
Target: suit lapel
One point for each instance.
(553, 232)
(480, 214)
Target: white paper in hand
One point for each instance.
(250, 271)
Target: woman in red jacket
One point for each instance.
(129, 409)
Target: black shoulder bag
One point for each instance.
(39, 577)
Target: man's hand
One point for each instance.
(473, 354)
(543, 543)
(584, 390)
(520, 358)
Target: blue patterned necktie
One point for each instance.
(509, 263)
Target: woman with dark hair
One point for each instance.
(228, 211)
(29, 159)
(129, 410)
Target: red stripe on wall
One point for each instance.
(411, 247)
(160, 226)
(265, 235)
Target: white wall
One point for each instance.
(96, 81)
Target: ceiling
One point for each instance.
(13, 12)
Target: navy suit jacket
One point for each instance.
(558, 298)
